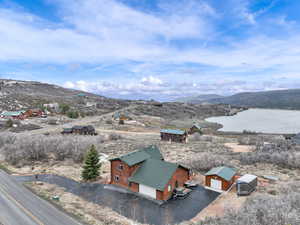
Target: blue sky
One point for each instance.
(159, 49)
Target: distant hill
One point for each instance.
(198, 99)
(278, 99)
(16, 95)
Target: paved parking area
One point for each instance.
(132, 206)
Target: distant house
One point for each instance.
(145, 172)
(20, 115)
(121, 116)
(173, 135)
(196, 128)
(34, 112)
(54, 107)
(220, 178)
(81, 130)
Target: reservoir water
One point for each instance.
(261, 120)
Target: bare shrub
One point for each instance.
(206, 161)
(24, 149)
(114, 137)
(281, 153)
(264, 209)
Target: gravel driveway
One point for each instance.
(141, 210)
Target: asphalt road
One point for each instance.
(19, 206)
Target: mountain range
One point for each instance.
(277, 99)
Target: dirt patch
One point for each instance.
(226, 201)
(235, 147)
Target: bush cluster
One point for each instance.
(265, 210)
(282, 153)
(22, 149)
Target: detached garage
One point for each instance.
(220, 178)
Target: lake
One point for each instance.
(261, 120)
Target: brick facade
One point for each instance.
(225, 184)
(120, 172)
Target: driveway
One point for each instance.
(134, 207)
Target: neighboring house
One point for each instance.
(34, 112)
(82, 130)
(91, 104)
(53, 107)
(173, 135)
(121, 116)
(220, 178)
(20, 115)
(146, 173)
(196, 128)
(296, 139)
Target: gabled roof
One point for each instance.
(136, 157)
(197, 126)
(153, 151)
(154, 173)
(171, 131)
(13, 113)
(224, 172)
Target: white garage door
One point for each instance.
(146, 190)
(215, 184)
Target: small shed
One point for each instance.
(67, 131)
(173, 135)
(220, 178)
(196, 128)
(246, 184)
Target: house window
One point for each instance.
(169, 187)
(120, 167)
(117, 178)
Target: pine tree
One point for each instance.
(92, 165)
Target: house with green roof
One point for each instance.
(173, 135)
(220, 178)
(196, 128)
(146, 172)
(14, 114)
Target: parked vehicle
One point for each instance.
(181, 193)
(191, 184)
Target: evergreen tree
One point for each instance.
(92, 165)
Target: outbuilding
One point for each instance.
(196, 128)
(220, 178)
(173, 135)
(246, 184)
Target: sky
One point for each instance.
(152, 49)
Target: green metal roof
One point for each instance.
(14, 113)
(225, 172)
(154, 173)
(141, 155)
(197, 126)
(171, 131)
(153, 151)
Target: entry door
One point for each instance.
(146, 190)
(216, 184)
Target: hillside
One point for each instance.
(279, 99)
(198, 99)
(16, 95)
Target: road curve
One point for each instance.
(19, 206)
